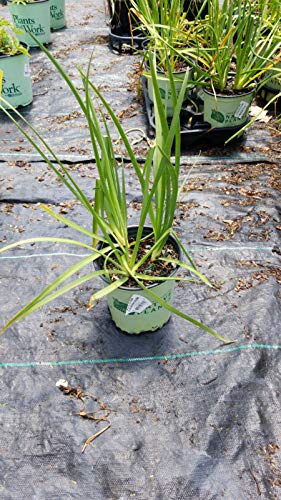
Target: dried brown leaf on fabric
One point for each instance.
(264, 235)
(135, 408)
(263, 218)
(271, 456)
(77, 392)
(247, 263)
(257, 277)
(274, 180)
(73, 391)
(260, 114)
(254, 193)
(91, 415)
(214, 234)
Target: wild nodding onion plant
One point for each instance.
(234, 38)
(158, 182)
(163, 20)
(271, 11)
(23, 2)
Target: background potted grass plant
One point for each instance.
(124, 255)
(14, 67)
(119, 11)
(272, 79)
(271, 88)
(32, 17)
(125, 33)
(165, 25)
(234, 50)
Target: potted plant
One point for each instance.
(271, 88)
(125, 33)
(14, 68)
(272, 78)
(120, 21)
(234, 49)
(140, 262)
(164, 22)
(57, 11)
(32, 17)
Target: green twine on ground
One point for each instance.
(165, 357)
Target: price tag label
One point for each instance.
(137, 304)
(242, 109)
(1, 78)
(26, 70)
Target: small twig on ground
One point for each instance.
(90, 439)
(77, 393)
(256, 481)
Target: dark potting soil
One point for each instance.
(229, 90)
(150, 267)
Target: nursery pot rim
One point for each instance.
(219, 94)
(134, 228)
(25, 45)
(273, 90)
(134, 36)
(160, 71)
(30, 3)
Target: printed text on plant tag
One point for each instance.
(241, 110)
(137, 304)
(26, 70)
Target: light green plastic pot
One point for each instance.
(16, 80)
(165, 88)
(274, 84)
(57, 10)
(32, 18)
(153, 317)
(132, 309)
(223, 111)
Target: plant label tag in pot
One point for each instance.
(137, 304)
(26, 70)
(241, 110)
(1, 77)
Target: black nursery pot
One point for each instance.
(124, 35)
(120, 18)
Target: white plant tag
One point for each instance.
(241, 110)
(201, 94)
(26, 70)
(137, 304)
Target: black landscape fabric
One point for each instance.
(172, 414)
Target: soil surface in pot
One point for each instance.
(149, 267)
(229, 90)
(180, 67)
